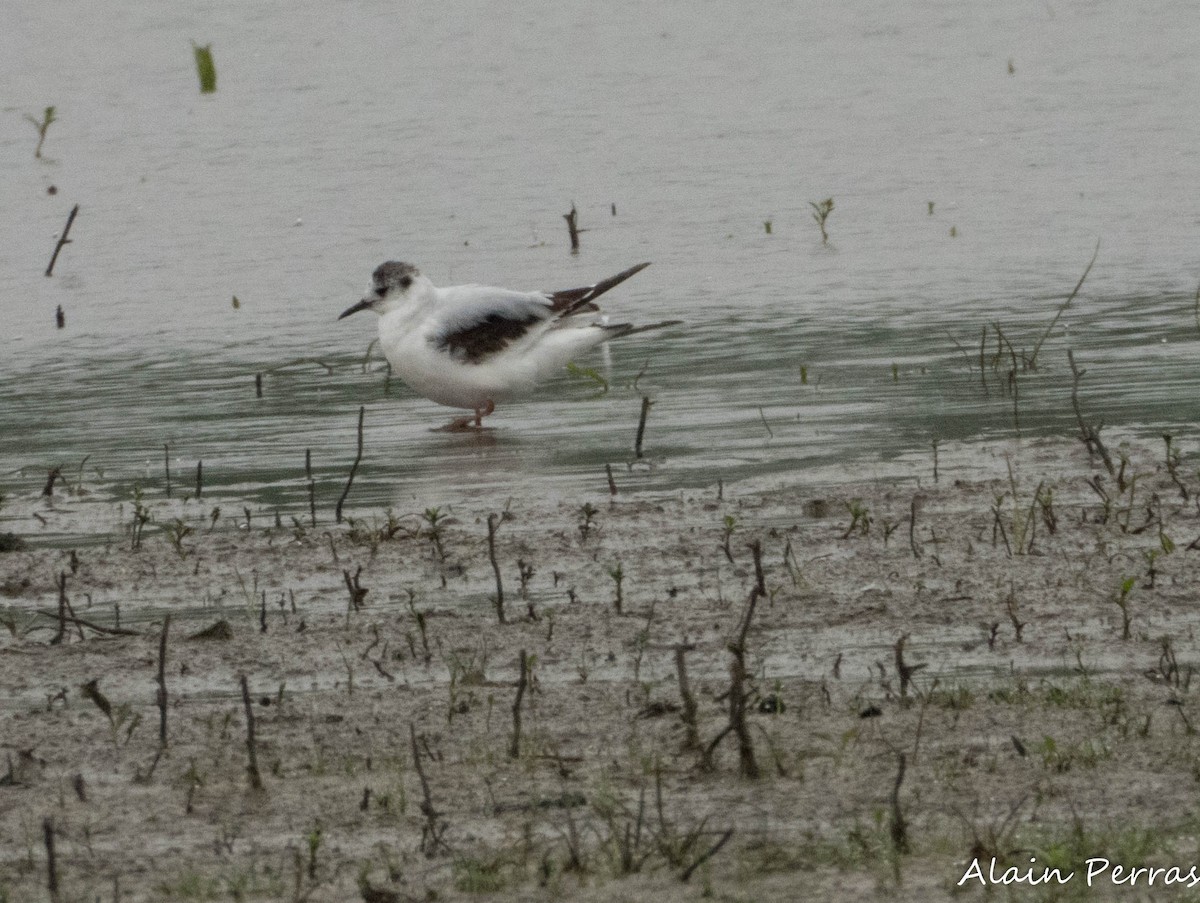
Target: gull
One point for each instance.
(471, 346)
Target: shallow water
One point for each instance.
(342, 135)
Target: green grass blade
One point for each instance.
(206, 69)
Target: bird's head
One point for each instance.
(391, 283)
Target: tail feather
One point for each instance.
(573, 300)
(618, 330)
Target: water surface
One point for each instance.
(455, 137)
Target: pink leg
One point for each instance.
(480, 413)
(464, 424)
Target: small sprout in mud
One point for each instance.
(618, 577)
(141, 517)
(1122, 602)
(860, 518)
(803, 375)
(930, 203)
(313, 839)
(1152, 556)
(1010, 605)
(730, 525)
(358, 593)
(688, 710)
(214, 516)
(435, 518)
(206, 69)
(821, 213)
(1168, 666)
(588, 511)
(176, 532)
(589, 373)
(1045, 501)
(42, 126)
(889, 527)
(1173, 466)
(767, 226)
(525, 571)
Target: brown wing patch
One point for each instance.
(476, 343)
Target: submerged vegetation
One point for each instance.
(206, 69)
(42, 125)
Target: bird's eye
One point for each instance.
(405, 281)
(381, 290)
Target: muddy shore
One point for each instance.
(996, 664)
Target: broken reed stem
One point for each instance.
(760, 583)
(982, 368)
(1089, 433)
(258, 385)
(62, 609)
(747, 764)
(691, 739)
(167, 465)
(573, 229)
(312, 486)
(357, 593)
(431, 834)
(514, 748)
(1062, 308)
(251, 747)
(905, 671)
(641, 430)
(712, 851)
(80, 623)
(495, 567)
(199, 478)
(62, 239)
(899, 827)
(353, 467)
(612, 484)
(912, 529)
(51, 861)
(162, 684)
(51, 478)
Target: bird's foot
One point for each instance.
(457, 425)
(467, 424)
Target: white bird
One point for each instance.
(471, 346)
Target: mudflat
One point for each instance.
(880, 690)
